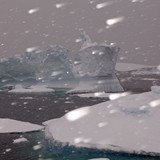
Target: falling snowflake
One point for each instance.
(113, 21)
(60, 5)
(34, 10)
(102, 5)
(31, 49)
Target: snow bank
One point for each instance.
(32, 89)
(129, 124)
(12, 126)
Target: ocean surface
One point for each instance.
(37, 108)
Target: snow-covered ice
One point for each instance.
(129, 124)
(14, 126)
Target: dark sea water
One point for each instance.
(37, 108)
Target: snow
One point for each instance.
(129, 124)
(34, 10)
(102, 5)
(60, 5)
(115, 20)
(31, 49)
(20, 140)
(32, 89)
(12, 126)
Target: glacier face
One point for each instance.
(37, 66)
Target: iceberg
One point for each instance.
(52, 65)
(117, 125)
(95, 66)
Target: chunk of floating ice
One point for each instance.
(20, 140)
(12, 126)
(127, 124)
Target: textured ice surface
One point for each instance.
(129, 124)
(37, 66)
(95, 65)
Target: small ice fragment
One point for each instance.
(37, 147)
(20, 140)
(34, 10)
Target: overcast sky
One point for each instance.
(134, 25)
